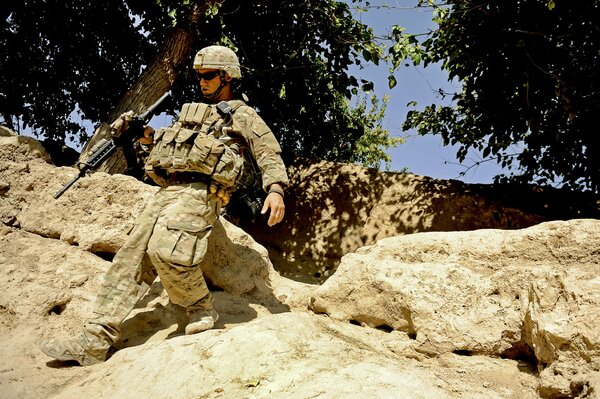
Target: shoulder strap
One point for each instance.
(235, 104)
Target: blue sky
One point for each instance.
(422, 155)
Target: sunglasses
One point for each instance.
(208, 75)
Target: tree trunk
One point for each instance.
(156, 80)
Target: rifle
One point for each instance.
(105, 148)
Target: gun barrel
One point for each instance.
(67, 186)
(100, 152)
(151, 109)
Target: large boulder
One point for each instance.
(295, 355)
(529, 294)
(334, 208)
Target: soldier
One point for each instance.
(208, 153)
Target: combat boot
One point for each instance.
(201, 320)
(87, 349)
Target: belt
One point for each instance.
(187, 177)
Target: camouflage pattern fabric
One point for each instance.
(261, 143)
(179, 242)
(169, 240)
(170, 236)
(246, 131)
(90, 347)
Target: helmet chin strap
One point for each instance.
(216, 93)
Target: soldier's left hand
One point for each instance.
(120, 125)
(275, 203)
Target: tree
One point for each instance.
(529, 77)
(60, 59)
(369, 149)
(295, 58)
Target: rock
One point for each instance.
(78, 280)
(6, 132)
(333, 209)
(486, 313)
(17, 148)
(294, 355)
(529, 294)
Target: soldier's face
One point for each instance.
(210, 80)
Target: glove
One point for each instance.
(121, 124)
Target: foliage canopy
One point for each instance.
(62, 54)
(68, 57)
(530, 82)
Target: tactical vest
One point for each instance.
(197, 142)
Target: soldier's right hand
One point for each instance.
(121, 124)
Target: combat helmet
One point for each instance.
(218, 57)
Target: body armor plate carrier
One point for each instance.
(198, 142)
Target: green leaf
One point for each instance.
(282, 92)
(368, 86)
(392, 81)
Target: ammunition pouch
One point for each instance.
(178, 149)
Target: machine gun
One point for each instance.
(106, 147)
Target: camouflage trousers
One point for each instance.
(170, 240)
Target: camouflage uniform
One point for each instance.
(170, 236)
